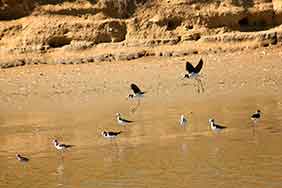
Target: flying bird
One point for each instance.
(137, 93)
(193, 72)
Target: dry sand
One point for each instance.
(72, 87)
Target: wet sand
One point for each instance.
(74, 103)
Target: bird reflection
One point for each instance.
(60, 169)
(60, 174)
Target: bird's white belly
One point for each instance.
(214, 128)
(193, 75)
(121, 122)
(110, 136)
(183, 122)
(139, 95)
(60, 147)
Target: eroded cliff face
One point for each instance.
(41, 25)
(13, 9)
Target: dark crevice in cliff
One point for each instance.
(252, 23)
(58, 41)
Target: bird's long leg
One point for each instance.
(203, 82)
(133, 110)
(62, 155)
(196, 85)
(184, 127)
(198, 88)
(254, 127)
(201, 85)
(115, 144)
(254, 130)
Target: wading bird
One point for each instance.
(110, 134)
(215, 127)
(122, 121)
(256, 116)
(21, 158)
(60, 147)
(183, 121)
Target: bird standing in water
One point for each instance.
(183, 121)
(256, 116)
(60, 147)
(21, 158)
(110, 134)
(122, 121)
(215, 127)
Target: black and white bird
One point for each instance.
(60, 147)
(122, 121)
(215, 127)
(21, 158)
(193, 72)
(110, 134)
(183, 121)
(137, 93)
(256, 116)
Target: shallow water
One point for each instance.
(75, 103)
(152, 152)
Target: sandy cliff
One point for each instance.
(45, 27)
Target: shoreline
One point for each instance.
(112, 53)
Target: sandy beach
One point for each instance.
(65, 72)
(74, 103)
(47, 86)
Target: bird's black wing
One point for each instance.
(114, 133)
(189, 67)
(125, 120)
(220, 126)
(255, 116)
(66, 145)
(135, 88)
(24, 159)
(199, 66)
